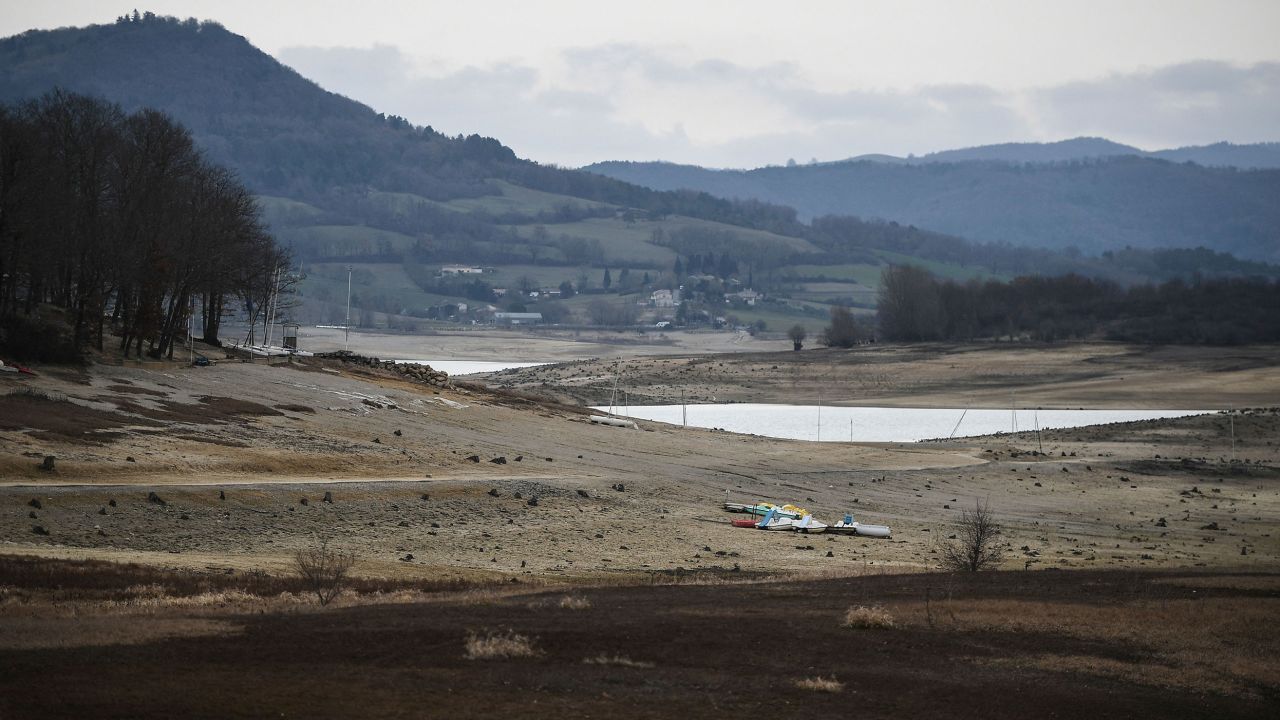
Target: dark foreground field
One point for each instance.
(1003, 645)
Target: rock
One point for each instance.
(493, 492)
(435, 525)
(500, 460)
(398, 434)
(403, 523)
(32, 515)
(518, 496)
(47, 465)
(304, 501)
(130, 459)
(584, 493)
(152, 497)
(328, 497)
(519, 458)
(102, 511)
(474, 458)
(407, 557)
(426, 496)
(533, 501)
(1162, 523)
(550, 459)
(378, 440)
(830, 554)
(184, 516)
(39, 530)
(222, 495)
(35, 503)
(111, 502)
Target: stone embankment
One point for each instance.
(413, 371)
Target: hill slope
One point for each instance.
(1094, 205)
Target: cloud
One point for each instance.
(642, 102)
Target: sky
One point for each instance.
(749, 83)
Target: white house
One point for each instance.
(461, 270)
(664, 298)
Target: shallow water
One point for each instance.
(469, 367)
(875, 424)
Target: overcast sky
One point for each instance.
(743, 84)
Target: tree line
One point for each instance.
(117, 219)
(916, 306)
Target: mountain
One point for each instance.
(1256, 156)
(373, 200)
(1093, 205)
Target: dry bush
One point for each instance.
(618, 660)
(821, 684)
(976, 546)
(499, 644)
(862, 617)
(574, 602)
(324, 570)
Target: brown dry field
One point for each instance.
(242, 454)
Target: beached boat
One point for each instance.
(847, 526)
(791, 511)
(807, 524)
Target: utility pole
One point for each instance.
(346, 328)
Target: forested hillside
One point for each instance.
(1090, 205)
(353, 194)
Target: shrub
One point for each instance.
(821, 684)
(863, 617)
(324, 570)
(574, 602)
(499, 644)
(975, 547)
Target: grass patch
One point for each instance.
(820, 684)
(862, 617)
(51, 416)
(616, 660)
(575, 602)
(499, 645)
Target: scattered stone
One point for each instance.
(830, 554)
(474, 458)
(584, 493)
(130, 459)
(579, 457)
(426, 496)
(550, 459)
(1210, 526)
(47, 465)
(398, 434)
(435, 525)
(378, 440)
(328, 497)
(184, 516)
(39, 530)
(222, 495)
(152, 497)
(403, 523)
(102, 511)
(35, 503)
(533, 501)
(518, 496)
(1162, 523)
(494, 492)
(32, 515)
(407, 557)
(500, 460)
(519, 458)
(304, 501)
(111, 502)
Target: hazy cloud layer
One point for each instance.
(632, 102)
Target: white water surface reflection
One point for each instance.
(470, 367)
(879, 424)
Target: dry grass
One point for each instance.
(1219, 645)
(618, 660)
(499, 645)
(821, 684)
(862, 617)
(575, 602)
(32, 633)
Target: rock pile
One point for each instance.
(413, 371)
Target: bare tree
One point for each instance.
(976, 545)
(324, 570)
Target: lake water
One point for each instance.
(468, 367)
(875, 424)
